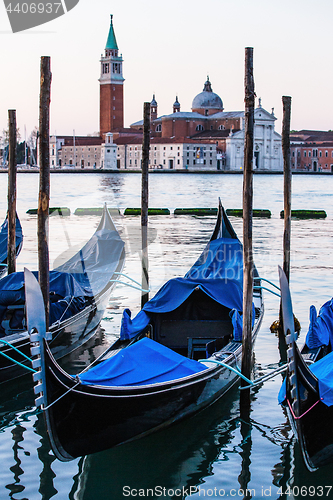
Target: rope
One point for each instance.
(17, 362)
(60, 397)
(267, 281)
(229, 368)
(131, 286)
(14, 349)
(307, 411)
(267, 289)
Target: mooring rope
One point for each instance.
(307, 411)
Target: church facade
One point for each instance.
(205, 138)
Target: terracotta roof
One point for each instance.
(81, 140)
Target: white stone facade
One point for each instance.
(267, 145)
(169, 156)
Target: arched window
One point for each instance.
(199, 128)
(221, 127)
(158, 128)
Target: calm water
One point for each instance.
(214, 454)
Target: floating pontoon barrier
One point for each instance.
(238, 212)
(151, 211)
(96, 211)
(52, 210)
(306, 214)
(195, 211)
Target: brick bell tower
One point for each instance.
(111, 114)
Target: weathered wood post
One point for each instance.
(286, 100)
(44, 182)
(247, 222)
(11, 246)
(144, 201)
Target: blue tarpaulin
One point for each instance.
(4, 238)
(218, 273)
(323, 370)
(144, 362)
(321, 326)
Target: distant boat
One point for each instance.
(79, 292)
(4, 243)
(151, 377)
(307, 392)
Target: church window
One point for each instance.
(221, 127)
(158, 128)
(199, 128)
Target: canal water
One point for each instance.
(214, 454)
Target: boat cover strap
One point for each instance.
(144, 362)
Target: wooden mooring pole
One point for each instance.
(11, 246)
(247, 223)
(44, 182)
(286, 100)
(144, 202)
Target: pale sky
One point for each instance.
(169, 47)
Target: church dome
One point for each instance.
(207, 100)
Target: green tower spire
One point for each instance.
(111, 41)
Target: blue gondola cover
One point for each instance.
(321, 326)
(144, 362)
(218, 273)
(4, 238)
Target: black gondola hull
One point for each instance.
(310, 418)
(122, 414)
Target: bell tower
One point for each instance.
(111, 84)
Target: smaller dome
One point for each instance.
(207, 99)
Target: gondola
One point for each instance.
(4, 243)
(307, 391)
(79, 292)
(152, 375)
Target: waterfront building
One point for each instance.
(83, 152)
(311, 151)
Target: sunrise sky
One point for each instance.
(169, 47)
